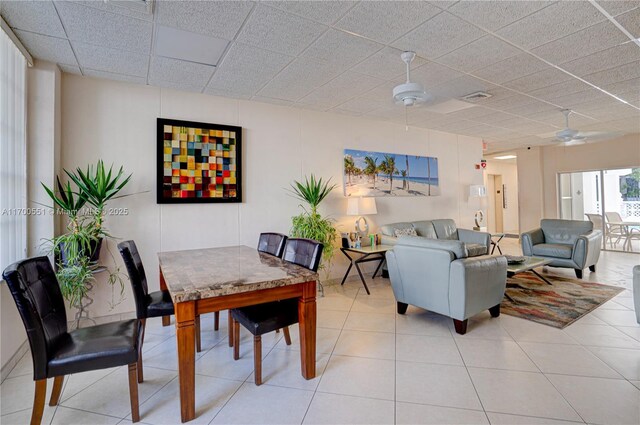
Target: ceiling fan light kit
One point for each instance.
(409, 94)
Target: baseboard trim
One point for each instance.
(13, 361)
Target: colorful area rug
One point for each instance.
(556, 305)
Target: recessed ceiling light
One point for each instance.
(505, 157)
(189, 46)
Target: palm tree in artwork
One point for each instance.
(405, 182)
(349, 167)
(371, 168)
(406, 173)
(388, 167)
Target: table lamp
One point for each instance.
(361, 207)
(478, 191)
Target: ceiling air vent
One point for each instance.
(479, 95)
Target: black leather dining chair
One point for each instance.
(264, 318)
(56, 352)
(150, 304)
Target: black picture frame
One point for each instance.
(160, 198)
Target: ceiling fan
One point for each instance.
(571, 137)
(409, 94)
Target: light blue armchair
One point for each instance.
(438, 275)
(568, 243)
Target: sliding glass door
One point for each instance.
(608, 198)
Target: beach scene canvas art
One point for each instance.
(388, 174)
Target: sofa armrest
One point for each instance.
(473, 236)
(529, 239)
(388, 240)
(476, 284)
(586, 249)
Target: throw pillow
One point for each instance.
(409, 231)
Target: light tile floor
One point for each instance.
(375, 366)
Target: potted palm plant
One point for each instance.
(310, 223)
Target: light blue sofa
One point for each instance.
(477, 243)
(439, 276)
(568, 243)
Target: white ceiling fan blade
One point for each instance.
(597, 136)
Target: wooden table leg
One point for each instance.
(186, 341)
(307, 325)
(166, 320)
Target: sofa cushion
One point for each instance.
(409, 231)
(445, 229)
(425, 229)
(564, 231)
(456, 247)
(475, 249)
(389, 229)
(555, 250)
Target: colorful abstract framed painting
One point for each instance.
(198, 162)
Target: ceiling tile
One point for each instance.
(70, 69)
(631, 21)
(121, 7)
(386, 64)
(537, 80)
(362, 105)
(432, 74)
(341, 49)
(39, 17)
(510, 69)
(532, 108)
(628, 90)
(511, 102)
(221, 19)
(246, 69)
(189, 46)
(561, 89)
(273, 29)
(610, 76)
(460, 87)
(94, 26)
(606, 59)
(383, 91)
(439, 36)
(616, 7)
(111, 60)
(386, 21)
(582, 43)
(177, 71)
(114, 77)
(325, 12)
(443, 4)
(226, 93)
(572, 100)
(272, 101)
(553, 22)
(177, 85)
(494, 15)
(52, 49)
(341, 89)
(299, 78)
(479, 54)
(472, 113)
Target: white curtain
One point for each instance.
(13, 155)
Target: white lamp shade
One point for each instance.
(361, 206)
(477, 191)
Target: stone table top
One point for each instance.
(211, 272)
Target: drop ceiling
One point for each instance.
(533, 57)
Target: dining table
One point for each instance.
(213, 279)
(630, 230)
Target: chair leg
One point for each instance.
(592, 268)
(230, 330)
(38, 401)
(236, 340)
(140, 371)
(287, 336)
(216, 321)
(461, 326)
(578, 273)
(166, 320)
(198, 339)
(495, 310)
(57, 389)
(402, 307)
(133, 392)
(257, 359)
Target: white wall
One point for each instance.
(117, 122)
(509, 173)
(530, 180)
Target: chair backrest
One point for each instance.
(445, 228)
(303, 252)
(36, 292)
(137, 277)
(596, 219)
(564, 231)
(613, 216)
(272, 243)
